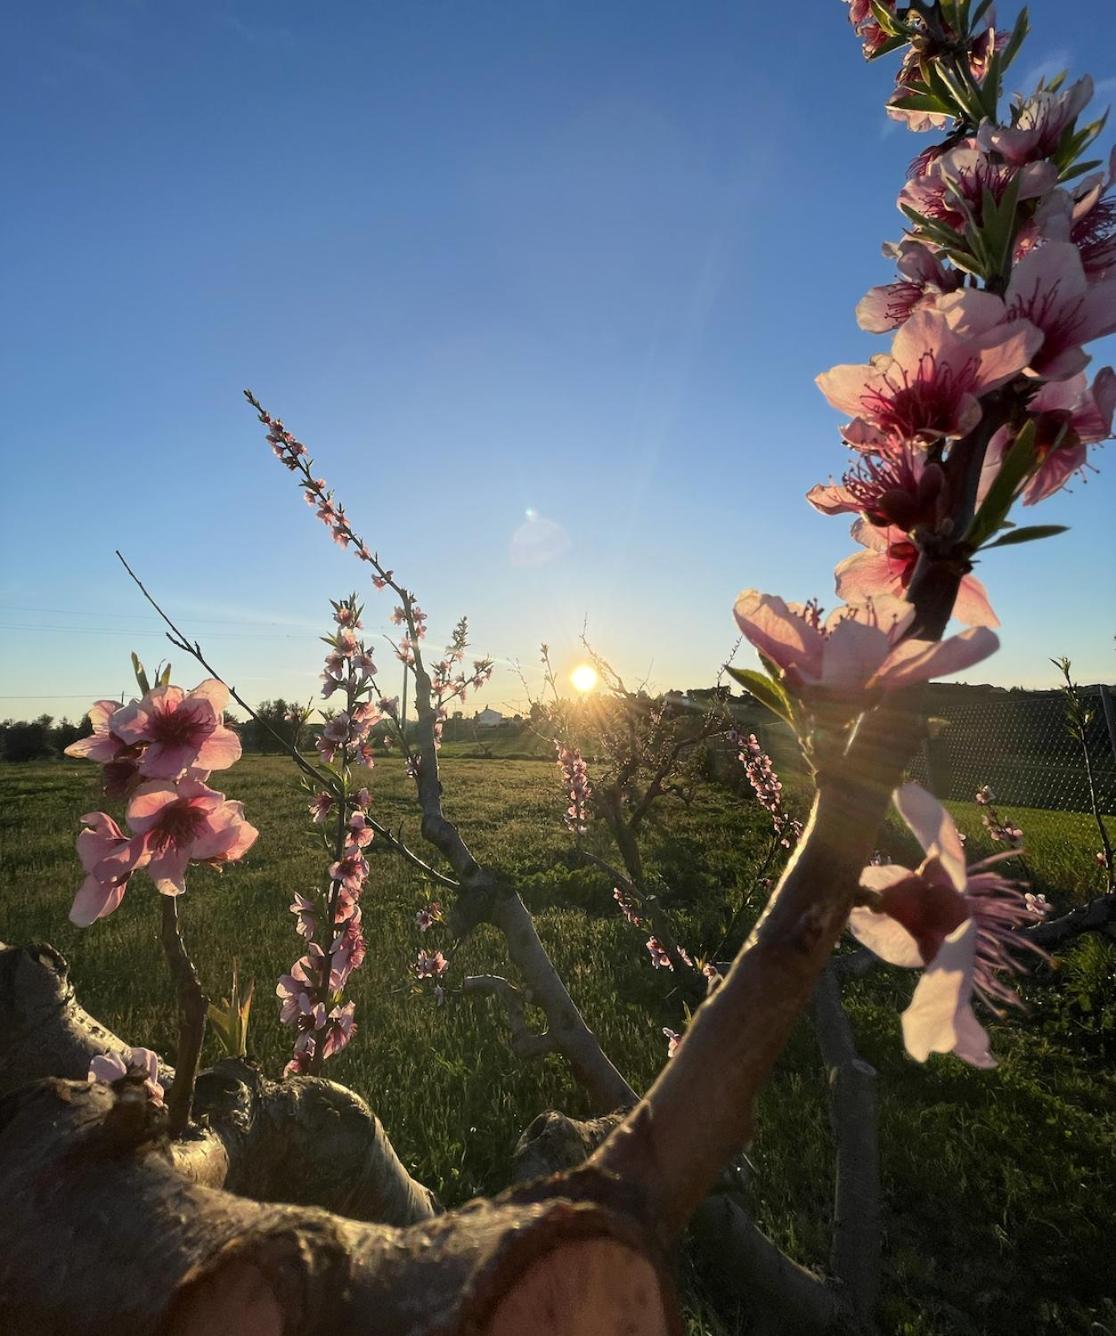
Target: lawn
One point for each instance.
(1000, 1187)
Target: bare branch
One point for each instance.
(192, 1008)
(525, 1043)
(855, 1119)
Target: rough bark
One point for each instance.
(739, 1261)
(110, 1237)
(120, 1227)
(300, 1141)
(1098, 915)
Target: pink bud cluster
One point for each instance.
(430, 966)
(158, 751)
(767, 787)
(330, 921)
(575, 779)
(449, 682)
(627, 907)
(138, 1066)
(1000, 830)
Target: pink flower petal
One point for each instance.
(95, 900)
(934, 829)
(940, 1018)
(775, 631)
(915, 661)
(213, 691)
(147, 804)
(220, 750)
(884, 937)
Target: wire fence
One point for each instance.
(1019, 744)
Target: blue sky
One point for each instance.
(575, 260)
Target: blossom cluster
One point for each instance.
(768, 788)
(1000, 830)
(1006, 271)
(329, 921)
(575, 780)
(449, 681)
(996, 205)
(135, 1065)
(158, 752)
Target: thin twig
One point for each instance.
(193, 1006)
(324, 781)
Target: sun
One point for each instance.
(584, 677)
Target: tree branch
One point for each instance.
(855, 1119)
(193, 1006)
(525, 1043)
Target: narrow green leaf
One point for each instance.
(1014, 469)
(766, 691)
(1026, 535)
(141, 675)
(1018, 33)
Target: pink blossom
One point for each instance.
(180, 730)
(1038, 123)
(575, 777)
(347, 951)
(901, 487)
(660, 956)
(183, 823)
(627, 907)
(886, 569)
(136, 1063)
(1093, 223)
(1069, 416)
(857, 650)
(428, 916)
(320, 807)
(351, 869)
(956, 186)
(958, 924)
(108, 859)
(941, 360)
(304, 976)
(922, 277)
(307, 914)
(767, 787)
(339, 1029)
(103, 744)
(1048, 289)
(360, 832)
(430, 965)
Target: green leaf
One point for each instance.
(1018, 33)
(885, 18)
(1014, 469)
(921, 102)
(165, 676)
(1026, 535)
(766, 691)
(141, 675)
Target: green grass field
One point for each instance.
(1000, 1187)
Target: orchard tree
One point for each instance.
(150, 1199)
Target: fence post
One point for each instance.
(1109, 716)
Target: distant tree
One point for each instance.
(28, 740)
